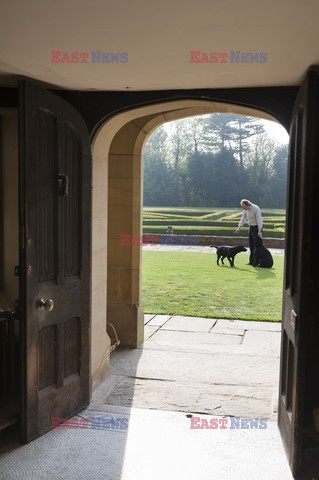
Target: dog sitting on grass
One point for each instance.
(228, 252)
(263, 257)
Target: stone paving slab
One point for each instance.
(260, 351)
(171, 341)
(147, 318)
(224, 325)
(190, 341)
(265, 341)
(189, 324)
(227, 331)
(149, 330)
(252, 402)
(106, 388)
(159, 320)
(117, 354)
(189, 367)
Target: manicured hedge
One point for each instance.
(199, 223)
(220, 232)
(207, 221)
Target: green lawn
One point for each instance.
(191, 284)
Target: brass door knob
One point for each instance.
(47, 305)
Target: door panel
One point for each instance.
(55, 259)
(301, 267)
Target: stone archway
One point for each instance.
(117, 209)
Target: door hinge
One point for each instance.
(17, 271)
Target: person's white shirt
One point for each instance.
(252, 216)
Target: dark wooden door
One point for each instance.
(55, 259)
(301, 267)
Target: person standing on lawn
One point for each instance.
(252, 215)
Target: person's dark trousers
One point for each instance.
(254, 242)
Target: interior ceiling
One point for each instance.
(158, 37)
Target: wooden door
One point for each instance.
(301, 267)
(55, 259)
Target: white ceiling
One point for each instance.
(158, 36)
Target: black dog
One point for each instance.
(263, 257)
(229, 252)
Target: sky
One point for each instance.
(277, 131)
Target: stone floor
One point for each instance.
(138, 425)
(203, 365)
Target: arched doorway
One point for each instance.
(117, 209)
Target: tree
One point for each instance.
(279, 178)
(157, 189)
(214, 160)
(180, 145)
(202, 179)
(157, 143)
(260, 168)
(242, 128)
(218, 132)
(195, 130)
